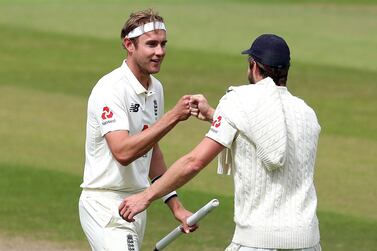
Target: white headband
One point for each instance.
(138, 31)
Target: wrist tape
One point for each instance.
(167, 197)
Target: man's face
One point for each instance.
(150, 51)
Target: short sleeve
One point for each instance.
(222, 129)
(110, 112)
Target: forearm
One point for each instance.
(158, 166)
(174, 205)
(176, 176)
(184, 169)
(130, 147)
(144, 141)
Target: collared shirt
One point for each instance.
(119, 102)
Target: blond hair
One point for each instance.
(139, 18)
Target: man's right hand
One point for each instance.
(182, 108)
(132, 205)
(200, 108)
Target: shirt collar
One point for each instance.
(270, 81)
(266, 80)
(134, 82)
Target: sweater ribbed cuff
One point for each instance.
(270, 238)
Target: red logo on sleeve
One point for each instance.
(107, 113)
(217, 122)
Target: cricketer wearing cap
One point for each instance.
(267, 139)
(125, 121)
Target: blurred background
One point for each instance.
(52, 52)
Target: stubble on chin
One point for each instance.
(155, 69)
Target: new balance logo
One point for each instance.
(134, 107)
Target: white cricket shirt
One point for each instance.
(119, 102)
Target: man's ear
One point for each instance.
(252, 66)
(128, 45)
(255, 70)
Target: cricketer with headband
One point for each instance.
(125, 121)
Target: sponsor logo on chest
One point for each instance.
(216, 123)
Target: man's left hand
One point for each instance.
(181, 215)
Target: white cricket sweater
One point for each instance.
(273, 161)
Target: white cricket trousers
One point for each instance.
(236, 247)
(102, 224)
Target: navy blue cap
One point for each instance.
(270, 50)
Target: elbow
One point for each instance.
(195, 165)
(123, 158)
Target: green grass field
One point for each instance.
(53, 51)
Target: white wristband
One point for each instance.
(167, 197)
(170, 195)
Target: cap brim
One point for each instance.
(246, 52)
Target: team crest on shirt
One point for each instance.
(107, 116)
